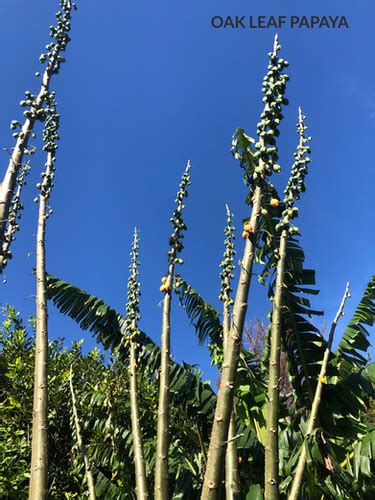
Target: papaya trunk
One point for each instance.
(232, 478)
(39, 451)
(297, 482)
(162, 445)
(86, 462)
(139, 462)
(272, 445)
(161, 485)
(223, 411)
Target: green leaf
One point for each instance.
(356, 337)
(202, 315)
(255, 492)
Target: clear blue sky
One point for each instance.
(148, 85)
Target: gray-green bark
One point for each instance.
(139, 462)
(272, 445)
(162, 439)
(232, 478)
(162, 445)
(39, 451)
(232, 475)
(224, 406)
(298, 475)
(82, 447)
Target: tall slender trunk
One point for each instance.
(232, 477)
(298, 475)
(39, 451)
(139, 462)
(9, 182)
(272, 444)
(224, 405)
(161, 486)
(86, 462)
(162, 446)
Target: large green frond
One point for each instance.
(202, 315)
(90, 312)
(355, 340)
(301, 339)
(108, 325)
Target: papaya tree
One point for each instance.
(35, 111)
(39, 456)
(343, 397)
(232, 479)
(176, 246)
(258, 162)
(295, 186)
(132, 317)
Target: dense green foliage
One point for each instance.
(102, 391)
(344, 436)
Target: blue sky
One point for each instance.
(149, 85)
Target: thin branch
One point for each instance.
(88, 472)
(297, 482)
(234, 438)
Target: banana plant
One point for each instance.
(339, 450)
(343, 398)
(341, 419)
(355, 340)
(37, 111)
